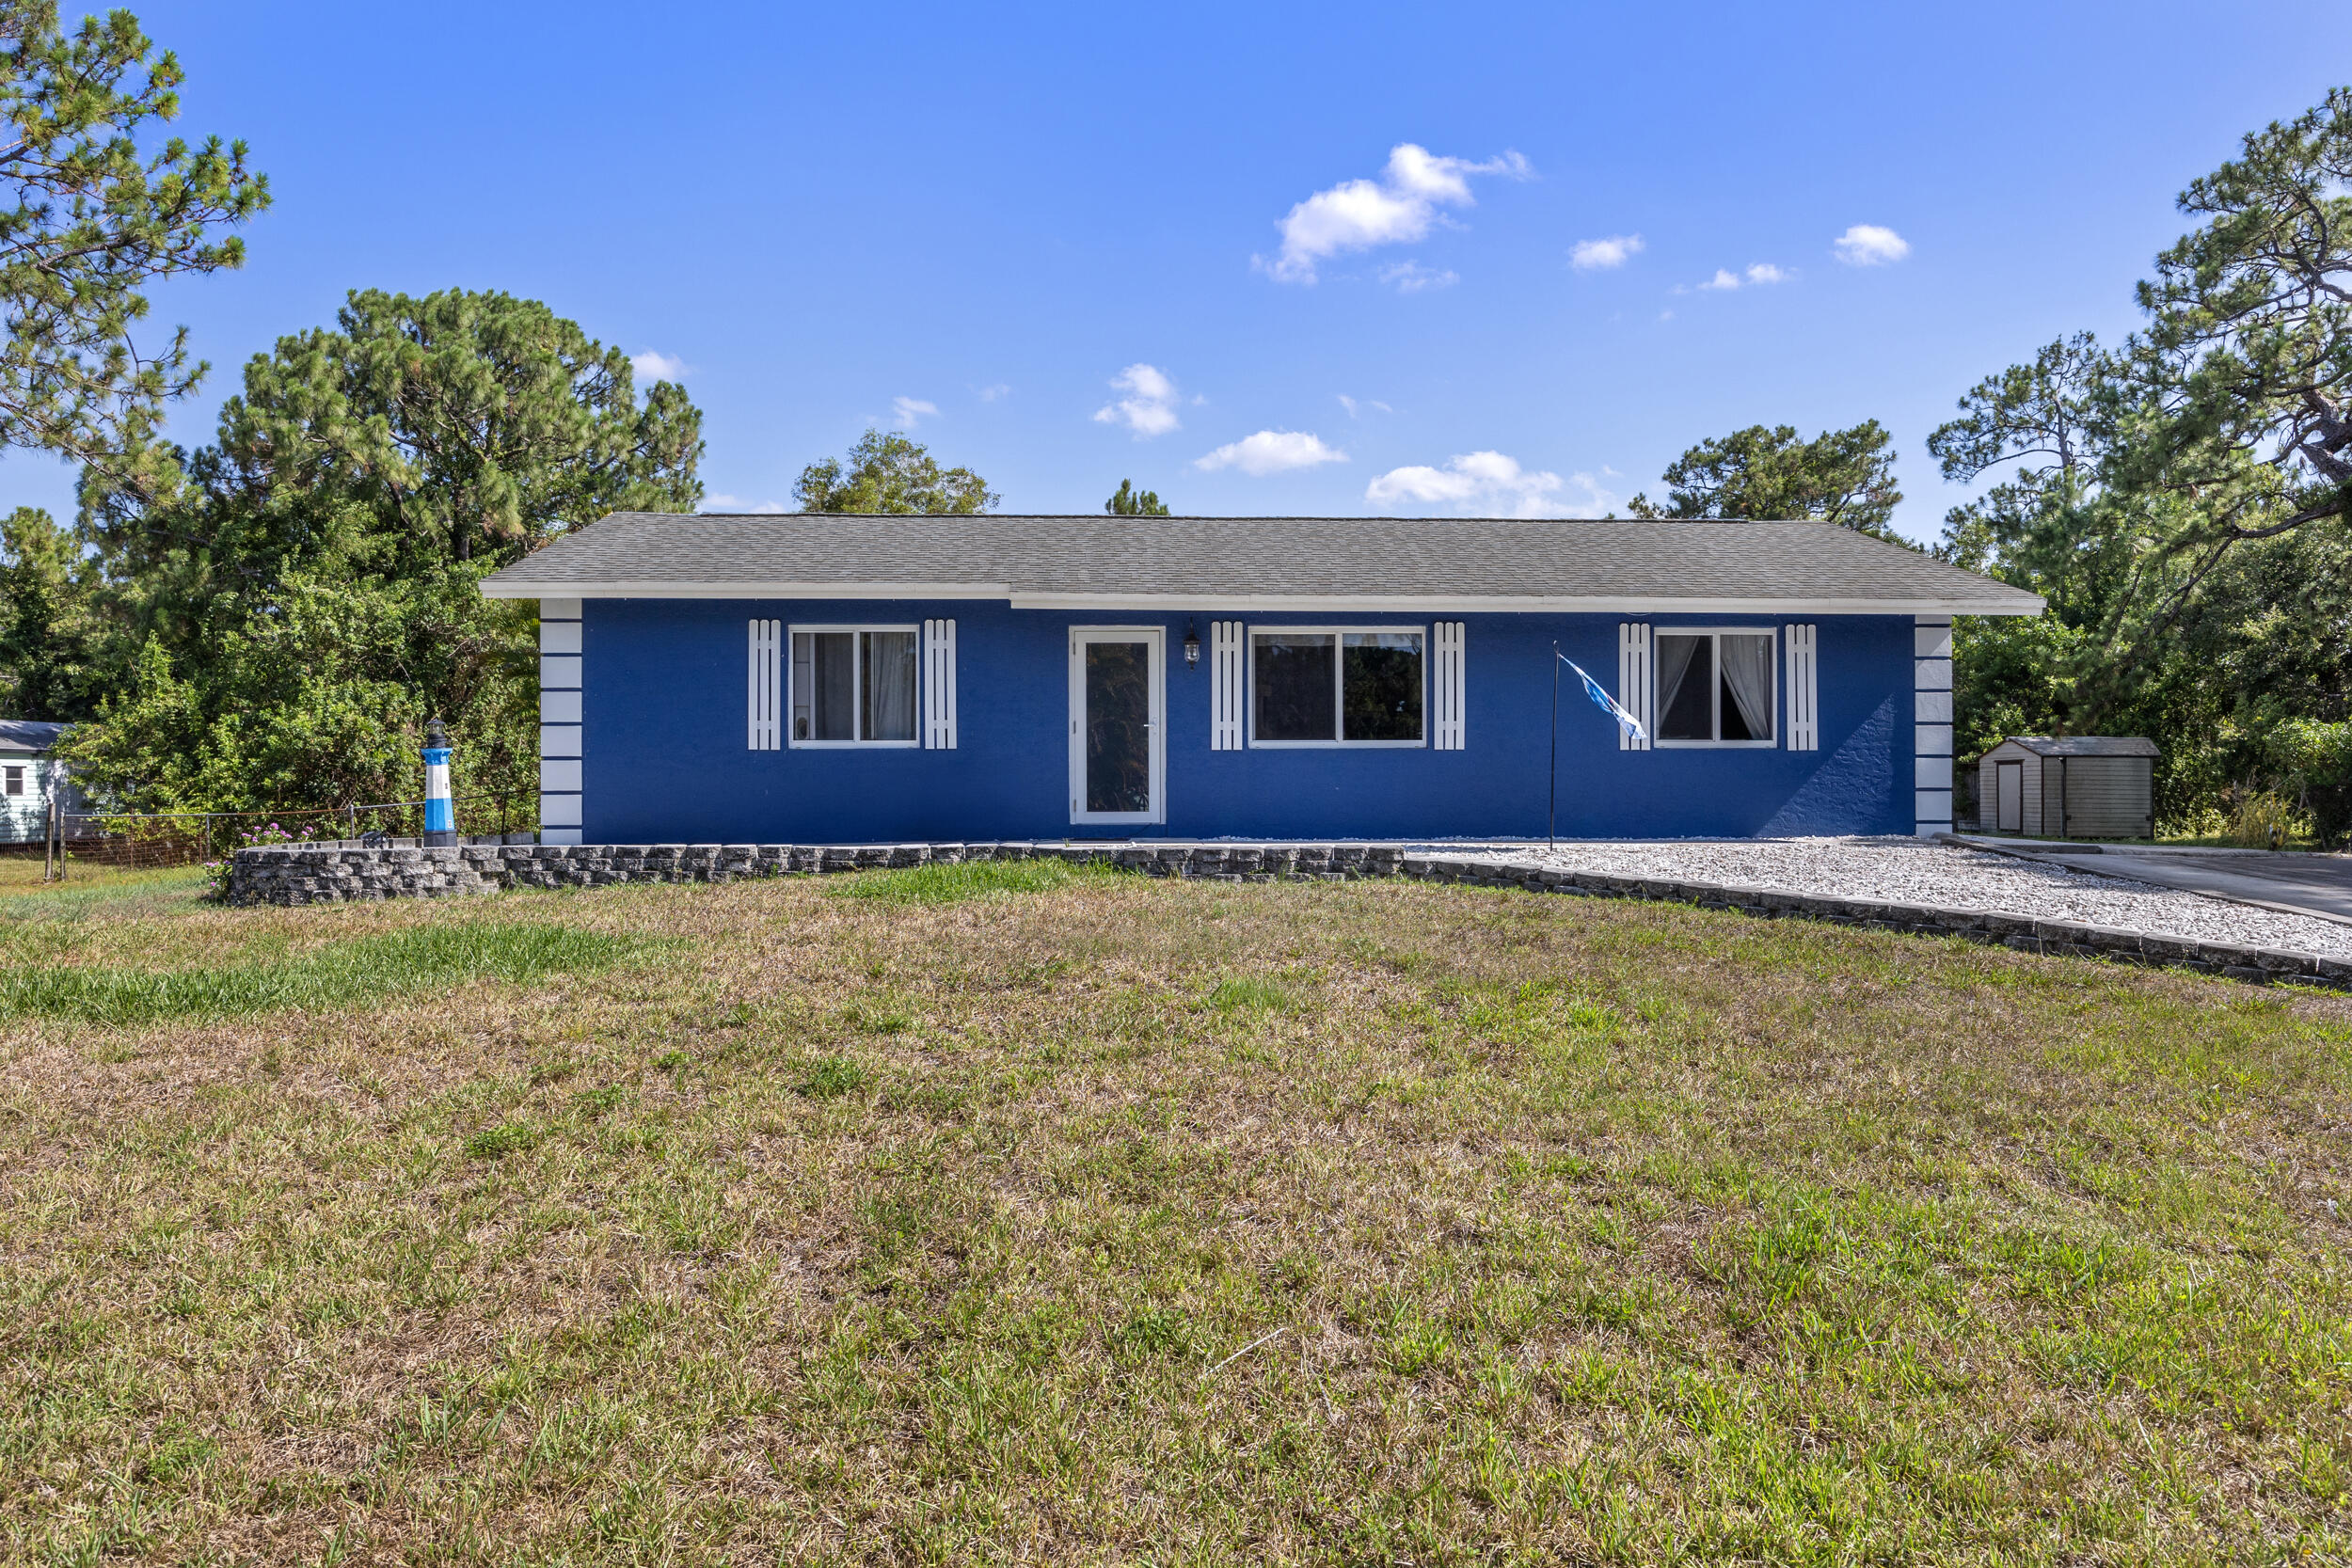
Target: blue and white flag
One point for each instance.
(1625, 721)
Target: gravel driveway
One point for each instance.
(1908, 871)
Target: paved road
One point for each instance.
(2311, 884)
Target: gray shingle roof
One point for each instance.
(1202, 562)
(29, 735)
(2085, 745)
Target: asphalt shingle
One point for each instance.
(1205, 560)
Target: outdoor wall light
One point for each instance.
(1192, 645)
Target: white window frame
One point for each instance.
(15, 776)
(1660, 740)
(857, 688)
(1339, 689)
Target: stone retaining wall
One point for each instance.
(322, 874)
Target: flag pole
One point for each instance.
(1551, 790)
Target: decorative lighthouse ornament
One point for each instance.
(440, 815)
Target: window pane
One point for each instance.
(1295, 700)
(832, 684)
(1118, 726)
(1686, 687)
(889, 685)
(1747, 696)
(1381, 671)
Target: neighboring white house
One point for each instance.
(27, 775)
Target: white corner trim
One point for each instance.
(560, 697)
(1932, 725)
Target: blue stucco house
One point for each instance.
(814, 678)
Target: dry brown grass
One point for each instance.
(1131, 1221)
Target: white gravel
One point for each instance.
(1908, 871)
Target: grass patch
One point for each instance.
(830, 1076)
(1144, 1221)
(336, 976)
(96, 890)
(953, 885)
(1251, 993)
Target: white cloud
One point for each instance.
(995, 393)
(1487, 484)
(1410, 278)
(654, 365)
(904, 412)
(1356, 406)
(1270, 451)
(736, 503)
(1396, 209)
(1868, 244)
(1759, 274)
(1150, 406)
(1598, 255)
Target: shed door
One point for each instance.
(2009, 797)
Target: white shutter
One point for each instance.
(1804, 692)
(1447, 687)
(766, 687)
(939, 686)
(1226, 676)
(1633, 680)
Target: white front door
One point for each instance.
(1118, 725)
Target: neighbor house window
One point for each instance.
(16, 781)
(1335, 687)
(854, 686)
(1715, 688)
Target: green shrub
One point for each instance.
(2314, 763)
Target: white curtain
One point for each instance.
(1748, 674)
(1673, 662)
(890, 686)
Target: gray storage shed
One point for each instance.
(2069, 786)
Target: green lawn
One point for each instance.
(1026, 1214)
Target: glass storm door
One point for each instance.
(1117, 732)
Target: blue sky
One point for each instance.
(979, 220)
